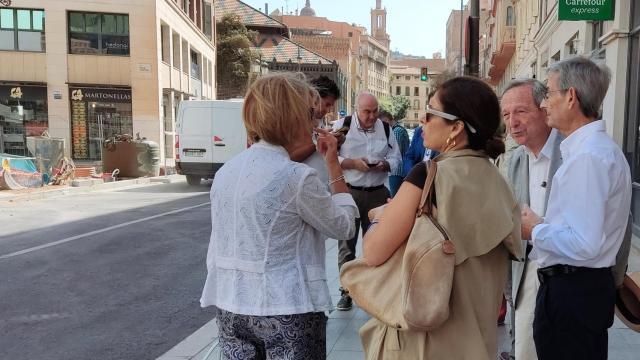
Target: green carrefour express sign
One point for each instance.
(585, 9)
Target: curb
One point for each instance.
(198, 343)
(90, 185)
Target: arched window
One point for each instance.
(511, 16)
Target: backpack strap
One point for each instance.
(347, 121)
(387, 129)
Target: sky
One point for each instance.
(416, 27)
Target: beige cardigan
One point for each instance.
(478, 211)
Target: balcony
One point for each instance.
(502, 56)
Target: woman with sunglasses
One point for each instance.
(475, 206)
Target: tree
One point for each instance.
(234, 56)
(396, 106)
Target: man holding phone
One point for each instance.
(367, 156)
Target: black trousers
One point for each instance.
(365, 200)
(573, 313)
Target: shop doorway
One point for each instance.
(97, 115)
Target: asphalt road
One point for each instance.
(105, 275)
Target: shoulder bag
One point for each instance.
(411, 290)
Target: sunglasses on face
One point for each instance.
(447, 116)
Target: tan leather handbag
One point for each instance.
(411, 290)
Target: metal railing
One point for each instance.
(509, 34)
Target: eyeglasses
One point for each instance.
(546, 94)
(447, 116)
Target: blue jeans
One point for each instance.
(394, 184)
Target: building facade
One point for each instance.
(89, 70)
(327, 37)
(454, 46)
(335, 48)
(278, 50)
(526, 37)
(368, 54)
(618, 41)
(405, 81)
(375, 65)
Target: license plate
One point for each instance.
(194, 153)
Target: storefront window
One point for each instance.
(23, 113)
(94, 33)
(22, 30)
(97, 115)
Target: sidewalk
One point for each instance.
(82, 186)
(343, 341)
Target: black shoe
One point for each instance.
(345, 303)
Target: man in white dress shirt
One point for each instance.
(530, 171)
(367, 156)
(576, 243)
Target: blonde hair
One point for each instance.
(278, 107)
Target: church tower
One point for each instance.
(379, 23)
(307, 10)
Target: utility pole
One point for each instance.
(474, 39)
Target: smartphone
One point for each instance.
(344, 130)
(372, 165)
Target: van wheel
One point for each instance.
(193, 180)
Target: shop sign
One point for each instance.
(16, 93)
(145, 68)
(101, 95)
(575, 10)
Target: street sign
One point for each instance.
(576, 10)
(343, 113)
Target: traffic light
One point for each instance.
(424, 76)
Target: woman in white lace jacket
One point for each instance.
(270, 216)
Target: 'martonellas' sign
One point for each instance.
(585, 10)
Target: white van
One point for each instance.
(208, 133)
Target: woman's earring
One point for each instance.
(450, 144)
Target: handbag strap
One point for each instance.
(426, 201)
(426, 206)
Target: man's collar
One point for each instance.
(547, 149)
(579, 135)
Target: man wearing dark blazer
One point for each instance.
(530, 172)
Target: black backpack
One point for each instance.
(387, 129)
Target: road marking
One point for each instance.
(77, 237)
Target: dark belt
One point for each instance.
(363, 188)
(544, 274)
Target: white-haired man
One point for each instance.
(367, 156)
